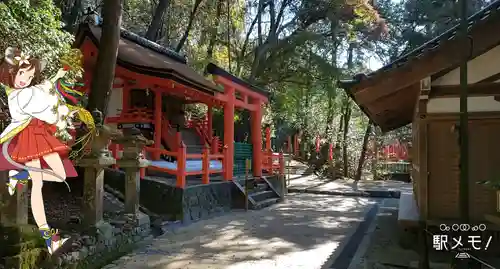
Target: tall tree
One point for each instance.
(364, 148)
(213, 31)
(104, 72)
(155, 25)
(192, 16)
(347, 112)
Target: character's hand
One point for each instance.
(61, 73)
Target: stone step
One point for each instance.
(263, 195)
(266, 203)
(12, 250)
(261, 187)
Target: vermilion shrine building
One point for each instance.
(152, 85)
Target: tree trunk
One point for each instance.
(73, 16)
(347, 112)
(192, 16)
(213, 37)
(330, 116)
(347, 119)
(155, 25)
(362, 157)
(104, 71)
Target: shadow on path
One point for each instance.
(301, 232)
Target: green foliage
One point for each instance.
(36, 29)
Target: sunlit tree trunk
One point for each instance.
(347, 114)
(104, 71)
(362, 157)
(214, 31)
(192, 16)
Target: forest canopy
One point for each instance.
(297, 49)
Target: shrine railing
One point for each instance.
(202, 128)
(273, 163)
(179, 168)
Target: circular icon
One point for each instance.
(444, 228)
(455, 227)
(464, 227)
(120, 126)
(482, 227)
(475, 228)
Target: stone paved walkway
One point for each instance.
(300, 182)
(305, 231)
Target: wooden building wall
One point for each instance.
(436, 149)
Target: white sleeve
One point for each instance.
(39, 103)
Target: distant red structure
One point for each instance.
(395, 151)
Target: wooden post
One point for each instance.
(181, 166)
(296, 145)
(317, 144)
(178, 138)
(229, 129)
(210, 120)
(206, 165)
(268, 138)
(215, 145)
(288, 173)
(256, 133)
(114, 152)
(158, 123)
(247, 167)
(330, 152)
(142, 171)
(225, 167)
(270, 160)
(282, 174)
(125, 97)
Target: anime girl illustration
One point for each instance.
(30, 149)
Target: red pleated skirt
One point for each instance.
(35, 141)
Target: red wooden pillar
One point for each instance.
(256, 133)
(142, 171)
(268, 138)
(158, 127)
(210, 122)
(215, 145)
(229, 130)
(282, 163)
(205, 165)
(330, 151)
(178, 139)
(317, 144)
(125, 97)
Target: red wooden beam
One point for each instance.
(243, 90)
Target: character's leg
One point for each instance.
(37, 207)
(55, 163)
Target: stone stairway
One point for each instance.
(21, 245)
(260, 193)
(192, 140)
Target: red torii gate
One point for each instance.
(238, 93)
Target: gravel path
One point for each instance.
(306, 231)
